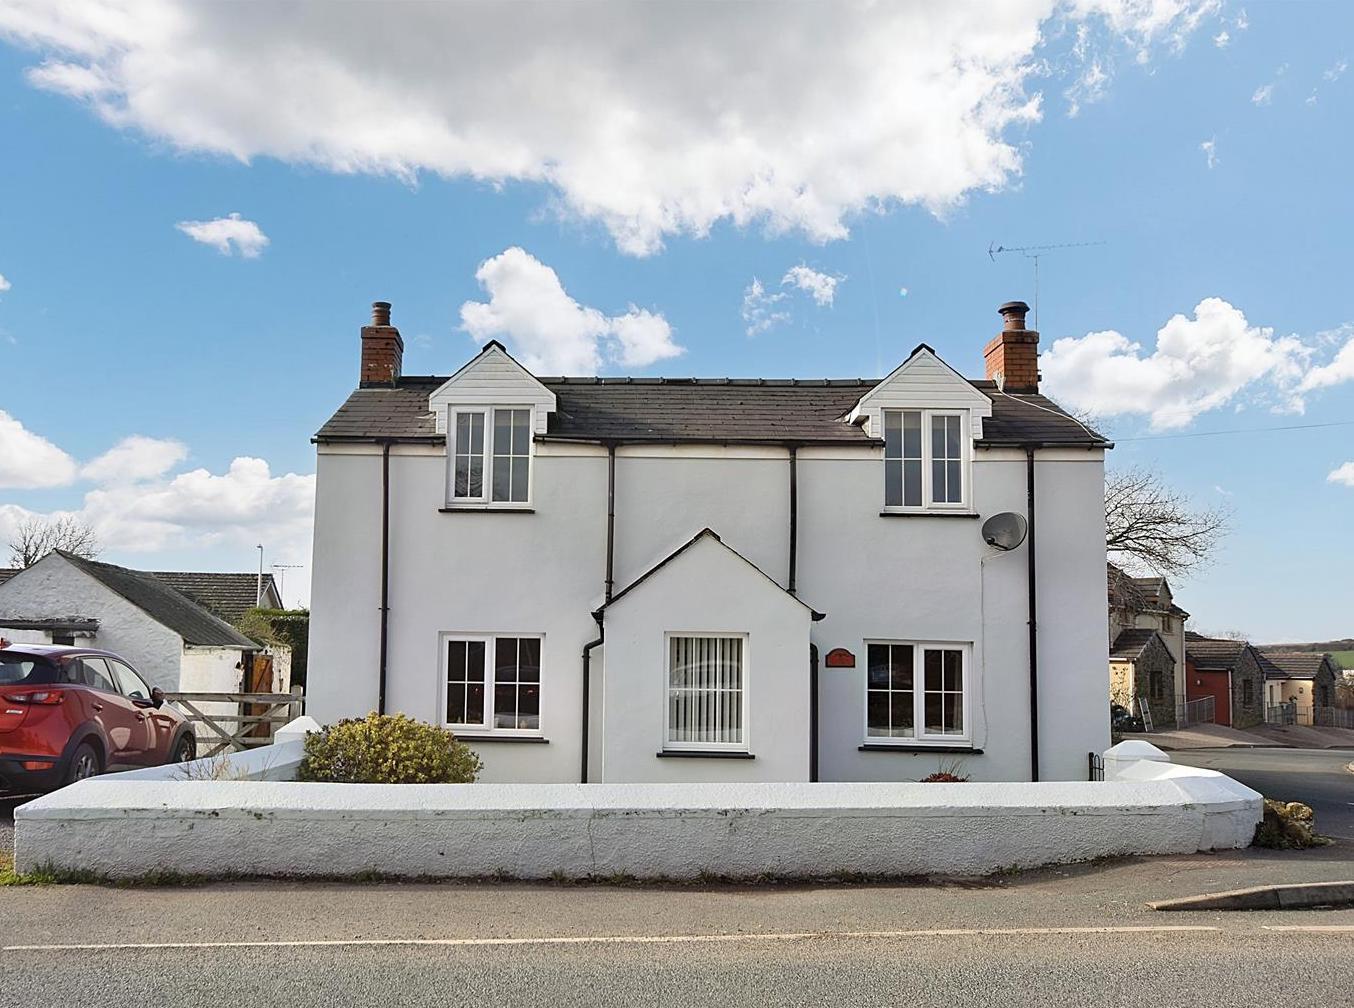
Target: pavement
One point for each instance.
(1305, 736)
(1202, 736)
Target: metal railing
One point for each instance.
(1199, 711)
(1281, 714)
(1333, 717)
(1095, 766)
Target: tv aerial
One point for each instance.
(1035, 252)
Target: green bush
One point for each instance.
(387, 749)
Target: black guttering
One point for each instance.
(598, 615)
(385, 575)
(1032, 571)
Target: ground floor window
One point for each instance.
(916, 691)
(706, 702)
(493, 683)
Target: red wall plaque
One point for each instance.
(840, 658)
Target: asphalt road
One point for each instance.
(1032, 938)
(1315, 777)
(1240, 966)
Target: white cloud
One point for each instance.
(1198, 364)
(134, 459)
(759, 311)
(652, 119)
(225, 233)
(29, 461)
(1242, 22)
(1221, 39)
(1342, 474)
(822, 287)
(4, 284)
(1335, 72)
(1210, 149)
(550, 332)
(1263, 94)
(1337, 371)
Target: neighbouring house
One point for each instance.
(650, 579)
(1138, 604)
(228, 594)
(1305, 679)
(1142, 673)
(175, 641)
(1232, 672)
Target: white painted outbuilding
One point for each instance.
(715, 580)
(171, 639)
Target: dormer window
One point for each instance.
(490, 455)
(925, 460)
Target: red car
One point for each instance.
(67, 713)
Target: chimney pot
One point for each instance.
(380, 313)
(1013, 312)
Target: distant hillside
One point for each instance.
(1347, 644)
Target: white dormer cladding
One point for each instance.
(922, 382)
(493, 378)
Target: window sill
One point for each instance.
(918, 747)
(486, 509)
(702, 754)
(500, 738)
(929, 514)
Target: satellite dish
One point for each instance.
(1005, 531)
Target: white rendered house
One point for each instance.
(616, 579)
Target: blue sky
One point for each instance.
(839, 146)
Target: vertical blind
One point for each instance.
(705, 690)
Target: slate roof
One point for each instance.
(1211, 654)
(1294, 664)
(1131, 643)
(705, 410)
(7, 572)
(229, 595)
(164, 604)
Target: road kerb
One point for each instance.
(1298, 896)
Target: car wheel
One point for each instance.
(186, 750)
(85, 762)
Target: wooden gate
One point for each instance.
(259, 716)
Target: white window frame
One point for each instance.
(486, 727)
(746, 744)
(918, 736)
(965, 461)
(485, 500)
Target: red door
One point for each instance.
(1218, 685)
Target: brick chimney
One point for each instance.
(382, 348)
(1012, 357)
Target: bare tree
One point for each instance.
(35, 537)
(1148, 524)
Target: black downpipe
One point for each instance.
(599, 614)
(813, 713)
(385, 574)
(794, 518)
(1033, 592)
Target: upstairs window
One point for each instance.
(925, 460)
(490, 456)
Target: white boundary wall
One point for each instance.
(127, 824)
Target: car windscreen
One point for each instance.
(19, 669)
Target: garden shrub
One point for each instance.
(387, 749)
(943, 777)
